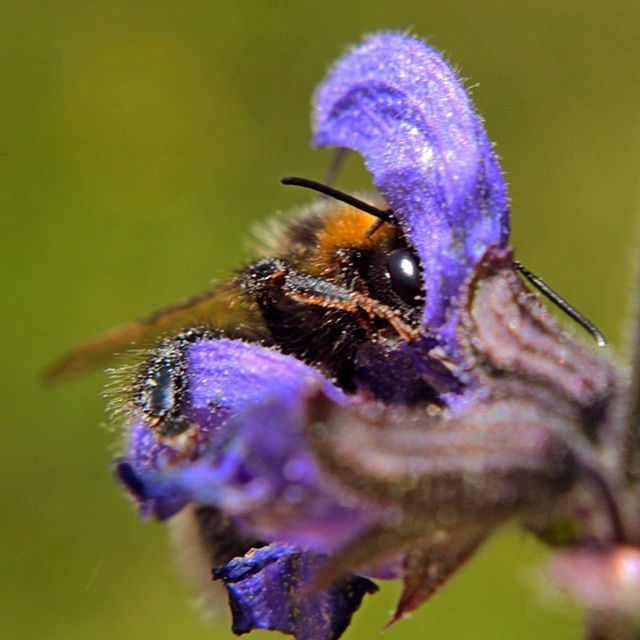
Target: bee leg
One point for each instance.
(220, 537)
(271, 280)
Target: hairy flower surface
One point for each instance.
(398, 103)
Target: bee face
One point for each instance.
(336, 280)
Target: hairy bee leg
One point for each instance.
(203, 538)
(271, 279)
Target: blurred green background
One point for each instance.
(142, 140)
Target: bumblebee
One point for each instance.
(330, 282)
(327, 279)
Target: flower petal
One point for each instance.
(268, 590)
(224, 377)
(249, 405)
(398, 103)
(139, 471)
(266, 478)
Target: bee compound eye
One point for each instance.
(404, 274)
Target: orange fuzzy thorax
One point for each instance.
(346, 228)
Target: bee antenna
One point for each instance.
(384, 215)
(561, 303)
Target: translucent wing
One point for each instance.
(219, 308)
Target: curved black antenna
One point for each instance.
(560, 302)
(385, 215)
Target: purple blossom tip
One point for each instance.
(268, 589)
(399, 104)
(141, 472)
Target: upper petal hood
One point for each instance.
(398, 103)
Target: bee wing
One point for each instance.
(216, 307)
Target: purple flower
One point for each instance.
(405, 471)
(252, 460)
(250, 406)
(249, 453)
(398, 103)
